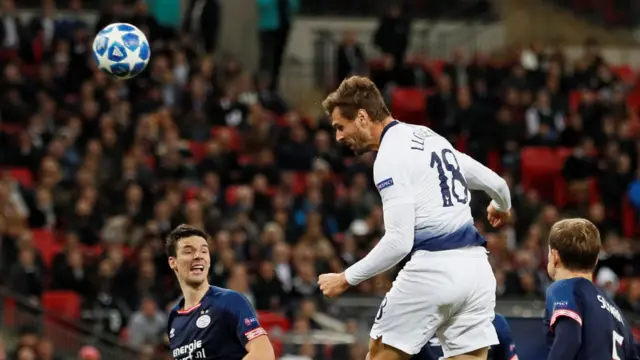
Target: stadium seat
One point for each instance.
(190, 193)
(410, 105)
(22, 175)
(539, 167)
(46, 244)
(275, 325)
(494, 162)
(198, 150)
(63, 303)
(376, 63)
(625, 73)
(575, 96)
(9, 309)
(11, 129)
(436, 67)
(629, 219)
(231, 195)
(299, 183)
(229, 136)
(633, 99)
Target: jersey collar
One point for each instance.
(386, 128)
(181, 311)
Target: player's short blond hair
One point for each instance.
(577, 242)
(357, 93)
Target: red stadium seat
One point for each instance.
(410, 105)
(9, 312)
(231, 194)
(493, 161)
(46, 244)
(436, 67)
(11, 129)
(62, 303)
(376, 63)
(629, 219)
(229, 136)
(299, 183)
(575, 96)
(190, 193)
(633, 99)
(198, 150)
(625, 73)
(540, 166)
(275, 325)
(22, 175)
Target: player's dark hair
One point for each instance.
(357, 93)
(577, 242)
(181, 232)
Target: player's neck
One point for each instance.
(193, 295)
(377, 131)
(564, 274)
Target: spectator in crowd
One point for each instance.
(392, 34)
(275, 17)
(147, 326)
(202, 21)
(350, 56)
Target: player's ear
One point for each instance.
(172, 263)
(556, 258)
(362, 116)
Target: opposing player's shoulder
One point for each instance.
(230, 299)
(500, 322)
(561, 289)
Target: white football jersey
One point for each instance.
(415, 165)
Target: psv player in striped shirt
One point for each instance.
(209, 322)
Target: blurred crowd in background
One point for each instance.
(112, 166)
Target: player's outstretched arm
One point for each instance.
(394, 246)
(480, 177)
(394, 183)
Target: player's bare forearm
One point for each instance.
(260, 349)
(394, 246)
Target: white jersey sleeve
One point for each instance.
(392, 177)
(479, 177)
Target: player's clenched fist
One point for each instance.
(333, 284)
(496, 218)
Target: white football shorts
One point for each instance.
(447, 293)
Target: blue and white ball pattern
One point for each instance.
(121, 50)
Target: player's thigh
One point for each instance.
(470, 328)
(411, 312)
(380, 351)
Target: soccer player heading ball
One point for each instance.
(582, 322)
(209, 322)
(447, 288)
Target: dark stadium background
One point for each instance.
(93, 172)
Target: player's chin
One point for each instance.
(196, 277)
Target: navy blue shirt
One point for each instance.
(505, 350)
(219, 327)
(604, 335)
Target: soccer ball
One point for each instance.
(121, 50)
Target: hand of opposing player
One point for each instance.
(333, 284)
(496, 218)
